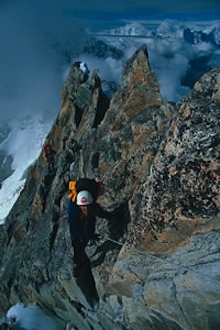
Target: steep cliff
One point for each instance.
(157, 266)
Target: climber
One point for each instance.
(77, 64)
(84, 68)
(82, 211)
(49, 155)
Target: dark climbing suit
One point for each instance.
(82, 229)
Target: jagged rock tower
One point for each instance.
(158, 265)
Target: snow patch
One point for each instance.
(32, 318)
(24, 143)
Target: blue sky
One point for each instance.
(99, 13)
(86, 7)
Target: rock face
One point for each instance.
(158, 264)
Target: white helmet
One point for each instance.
(84, 198)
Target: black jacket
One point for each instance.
(83, 227)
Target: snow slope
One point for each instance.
(24, 143)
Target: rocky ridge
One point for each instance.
(157, 266)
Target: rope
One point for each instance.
(162, 260)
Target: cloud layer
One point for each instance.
(32, 31)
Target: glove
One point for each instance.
(91, 242)
(96, 237)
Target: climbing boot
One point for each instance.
(76, 270)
